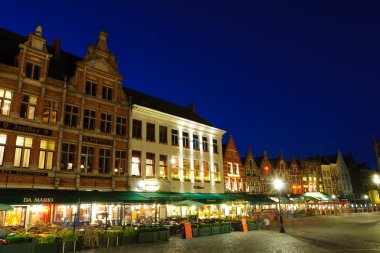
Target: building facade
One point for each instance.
(173, 149)
(252, 173)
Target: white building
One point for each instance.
(172, 149)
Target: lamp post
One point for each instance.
(279, 185)
(366, 202)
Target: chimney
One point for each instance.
(191, 108)
(57, 48)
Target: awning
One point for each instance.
(258, 199)
(207, 198)
(34, 196)
(161, 197)
(129, 197)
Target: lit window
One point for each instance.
(46, 154)
(197, 170)
(186, 169)
(206, 171)
(175, 167)
(22, 152)
(163, 166)
(136, 163)
(149, 163)
(5, 101)
(50, 112)
(28, 107)
(229, 168)
(3, 141)
(216, 172)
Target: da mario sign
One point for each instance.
(38, 200)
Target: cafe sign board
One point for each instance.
(38, 200)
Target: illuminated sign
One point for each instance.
(148, 185)
(38, 200)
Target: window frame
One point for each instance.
(136, 129)
(33, 71)
(67, 155)
(150, 132)
(107, 92)
(71, 117)
(50, 107)
(90, 88)
(105, 123)
(121, 126)
(89, 119)
(175, 137)
(104, 161)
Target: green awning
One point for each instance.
(207, 198)
(258, 199)
(162, 197)
(35, 196)
(129, 197)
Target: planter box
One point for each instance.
(69, 246)
(27, 247)
(164, 235)
(130, 239)
(112, 241)
(156, 236)
(202, 231)
(251, 226)
(259, 224)
(145, 237)
(225, 228)
(195, 232)
(215, 230)
(46, 248)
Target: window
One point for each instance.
(87, 159)
(33, 71)
(136, 129)
(3, 141)
(136, 163)
(89, 119)
(175, 170)
(107, 93)
(105, 123)
(248, 173)
(22, 152)
(121, 126)
(204, 144)
(46, 154)
(149, 165)
(163, 134)
(174, 137)
(229, 168)
(120, 162)
(71, 115)
(195, 141)
(216, 172)
(28, 107)
(91, 88)
(197, 171)
(5, 101)
(185, 139)
(68, 157)
(104, 160)
(236, 166)
(206, 171)
(215, 146)
(163, 166)
(50, 112)
(186, 169)
(150, 128)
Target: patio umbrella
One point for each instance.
(189, 203)
(4, 207)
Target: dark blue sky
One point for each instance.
(297, 76)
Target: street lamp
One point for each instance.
(366, 202)
(334, 197)
(376, 180)
(279, 185)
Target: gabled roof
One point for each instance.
(58, 67)
(142, 99)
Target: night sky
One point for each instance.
(297, 76)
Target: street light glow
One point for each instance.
(376, 179)
(279, 184)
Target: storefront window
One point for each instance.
(16, 217)
(39, 214)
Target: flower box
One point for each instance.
(145, 237)
(46, 247)
(215, 228)
(26, 247)
(129, 239)
(164, 235)
(225, 227)
(204, 230)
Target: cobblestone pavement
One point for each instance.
(346, 233)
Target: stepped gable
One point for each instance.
(59, 67)
(142, 99)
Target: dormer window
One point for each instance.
(90, 88)
(33, 71)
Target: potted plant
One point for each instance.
(68, 241)
(112, 238)
(164, 233)
(46, 244)
(129, 236)
(145, 235)
(204, 229)
(18, 243)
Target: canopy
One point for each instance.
(4, 207)
(188, 203)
